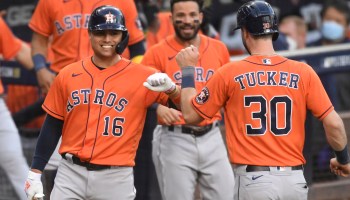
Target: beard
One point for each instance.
(186, 37)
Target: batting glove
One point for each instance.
(33, 186)
(160, 82)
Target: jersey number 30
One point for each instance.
(273, 116)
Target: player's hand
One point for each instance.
(339, 169)
(45, 78)
(188, 57)
(160, 82)
(33, 186)
(168, 115)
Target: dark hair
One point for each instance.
(339, 5)
(199, 2)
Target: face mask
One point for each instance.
(292, 44)
(332, 30)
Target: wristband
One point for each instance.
(39, 62)
(343, 156)
(34, 176)
(187, 77)
(171, 90)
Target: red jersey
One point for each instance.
(67, 22)
(103, 110)
(265, 101)
(9, 44)
(213, 54)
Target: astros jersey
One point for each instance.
(103, 110)
(213, 54)
(9, 44)
(265, 101)
(67, 21)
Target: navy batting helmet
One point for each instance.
(109, 18)
(259, 18)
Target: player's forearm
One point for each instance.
(47, 142)
(335, 131)
(24, 57)
(188, 112)
(39, 44)
(188, 92)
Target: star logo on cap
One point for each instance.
(110, 18)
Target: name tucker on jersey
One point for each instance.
(268, 78)
(100, 98)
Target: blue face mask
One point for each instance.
(332, 30)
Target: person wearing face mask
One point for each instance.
(335, 20)
(295, 30)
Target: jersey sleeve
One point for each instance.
(212, 97)
(150, 59)
(317, 99)
(41, 20)
(54, 103)
(132, 21)
(9, 44)
(225, 54)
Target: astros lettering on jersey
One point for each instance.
(110, 114)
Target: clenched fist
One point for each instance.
(187, 56)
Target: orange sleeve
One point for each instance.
(9, 44)
(212, 97)
(150, 59)
(54, 103)
(41, 21)
(133, 23)
(316, 96)
(225, 53)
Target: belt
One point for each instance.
(254, 168)
(196, 131)
(89, 166)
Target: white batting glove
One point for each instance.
(160, 82)
(33, 186)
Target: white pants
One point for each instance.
(76, 182)
(183, 160)
(12, 160)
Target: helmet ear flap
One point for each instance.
(122, 45)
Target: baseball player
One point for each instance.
(62, 26)
(99, 107)
(185, 155)
(265, 97)
(12, 160)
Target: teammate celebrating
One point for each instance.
(62, 27)
(265, 97)
(100, 116)
(11, 155)
(178, 147)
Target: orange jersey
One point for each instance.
(265, 101)
(166, 28)
(9, 44)
(103, 110)
(213, 54)
(67, 22)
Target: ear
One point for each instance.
(200, 17)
